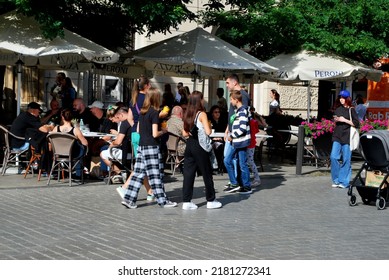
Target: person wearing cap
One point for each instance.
(341, 172)
(28, 120)
(97, 109)
(106, 125)
(81, 111)
(28, 125)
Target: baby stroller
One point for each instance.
(371, 180)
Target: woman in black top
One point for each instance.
(341, 172)
(148, 159)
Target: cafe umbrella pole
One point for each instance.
(19, 65)
(300, 150)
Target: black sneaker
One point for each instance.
(231, 188)
(245, 190)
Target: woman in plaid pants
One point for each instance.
(148, 160)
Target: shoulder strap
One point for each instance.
(197, 116)
(137, 108)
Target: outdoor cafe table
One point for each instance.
(291, 131)
(221, 135)
(96, 134)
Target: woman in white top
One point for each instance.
(275, 103)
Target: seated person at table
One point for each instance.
(124, 133)
(218, 124)
(54, 114)
(81, 111)
(218, 121)
(108, 139)
(97, 110)
(176, 125)
(105, 126)
(67, 127)
(26, 120)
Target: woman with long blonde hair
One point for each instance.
(149, 159)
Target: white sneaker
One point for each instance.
(335, 185)
(130, 205)
(214, 204)
(117, 179)
(121, 192)
(189, 206)
(169, 204)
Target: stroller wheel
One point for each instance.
(380, 203)
(366, 201)
(352, 200)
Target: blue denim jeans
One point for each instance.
(340, 172)
(103, 166)
(241, 154)
(227, 153)
(24, 147)
(79, 152)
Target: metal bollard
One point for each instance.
(300, 150)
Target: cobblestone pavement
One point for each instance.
(287, 217)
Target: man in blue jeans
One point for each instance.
(232, 83)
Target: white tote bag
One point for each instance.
(354, 136)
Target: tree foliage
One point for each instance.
(357, 29)
(110, 23)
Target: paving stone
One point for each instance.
(287, 217)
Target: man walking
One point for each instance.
(232, 83)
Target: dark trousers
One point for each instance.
(197, 158)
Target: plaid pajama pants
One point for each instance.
(148, 163)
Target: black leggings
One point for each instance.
(197, 158)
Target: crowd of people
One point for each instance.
(148, 118)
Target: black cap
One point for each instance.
(34, 105)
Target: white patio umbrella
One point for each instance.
(196, 53)
(308, 66)
(22, 43)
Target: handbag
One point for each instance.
(202, 137)
(354, 136)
